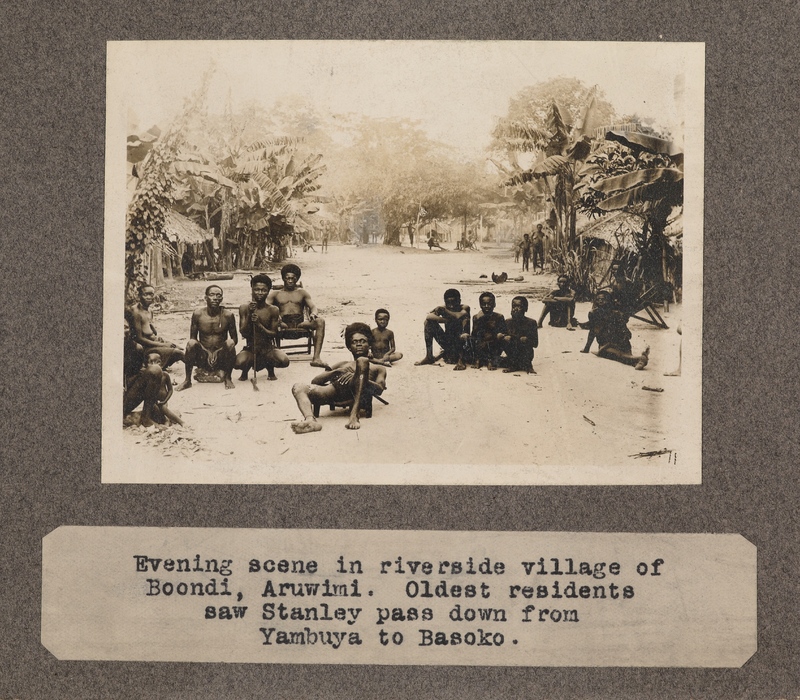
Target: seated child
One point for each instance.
(488, 331)
(521, 338)
(382, 348)
(152, 387)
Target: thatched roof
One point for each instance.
(180, 229)
(615, 229)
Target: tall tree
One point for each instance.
(153, 195)
(554, 122)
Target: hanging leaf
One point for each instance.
(638, 177)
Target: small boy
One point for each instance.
(521, 338)
(161, 413)
(382, 348)
(488, 331)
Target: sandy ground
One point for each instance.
(579, 419)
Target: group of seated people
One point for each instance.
(270, 315)
(487, 338)
(495, 341)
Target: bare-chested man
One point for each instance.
(213, 338)
(453, 338)
(264, 318)
(293, 302)
(610, 327)
(560, 305)
(144, 331)
(345, 381)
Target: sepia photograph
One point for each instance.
(403, 262)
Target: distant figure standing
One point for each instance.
(325, 241)
(187, 262)
(538, 247)
(526, 252)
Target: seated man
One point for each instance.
(145, 384)
(488, 331)
(293, 302)
(213, 338)
(624, 292)
(521, 338)
(344, 382)
(433, 241)
(382, 348)
(560, 304)
(610, 327)
(262, 318)
(453, 338)
(144, 331)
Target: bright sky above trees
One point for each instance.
(456, 89)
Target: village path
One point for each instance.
(579, 419)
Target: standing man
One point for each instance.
(145, 333)
(262, 319)
(526, 252)
(293, 302)
(213, 338)
(538, 247)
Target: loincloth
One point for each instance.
(293, 320)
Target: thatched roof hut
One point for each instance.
(180, 229)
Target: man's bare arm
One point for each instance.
(312, 309)
(232, 327)
(194, 327)
(244, 320)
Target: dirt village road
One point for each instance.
(579, 419)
